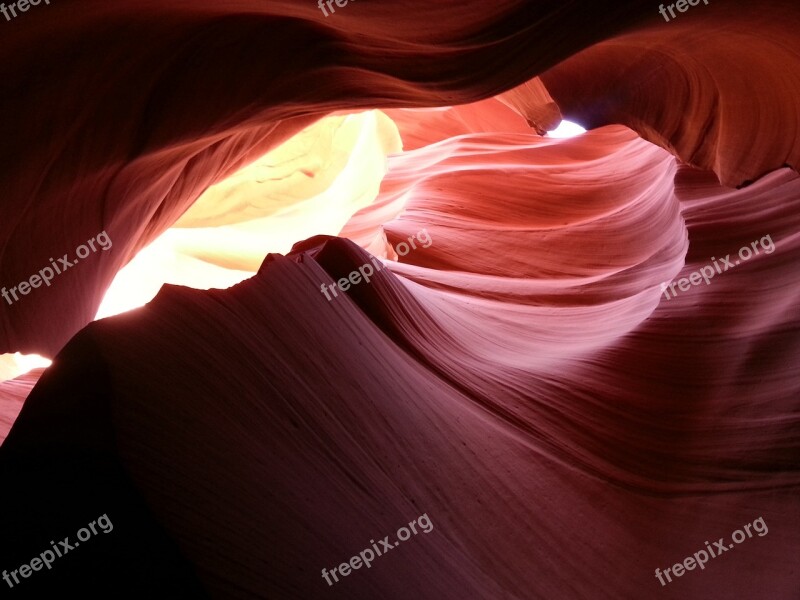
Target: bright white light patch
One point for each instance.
(29, 362)
(14, 365)
(566, 129)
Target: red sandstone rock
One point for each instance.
(523, 381)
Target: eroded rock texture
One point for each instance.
(528, 379)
